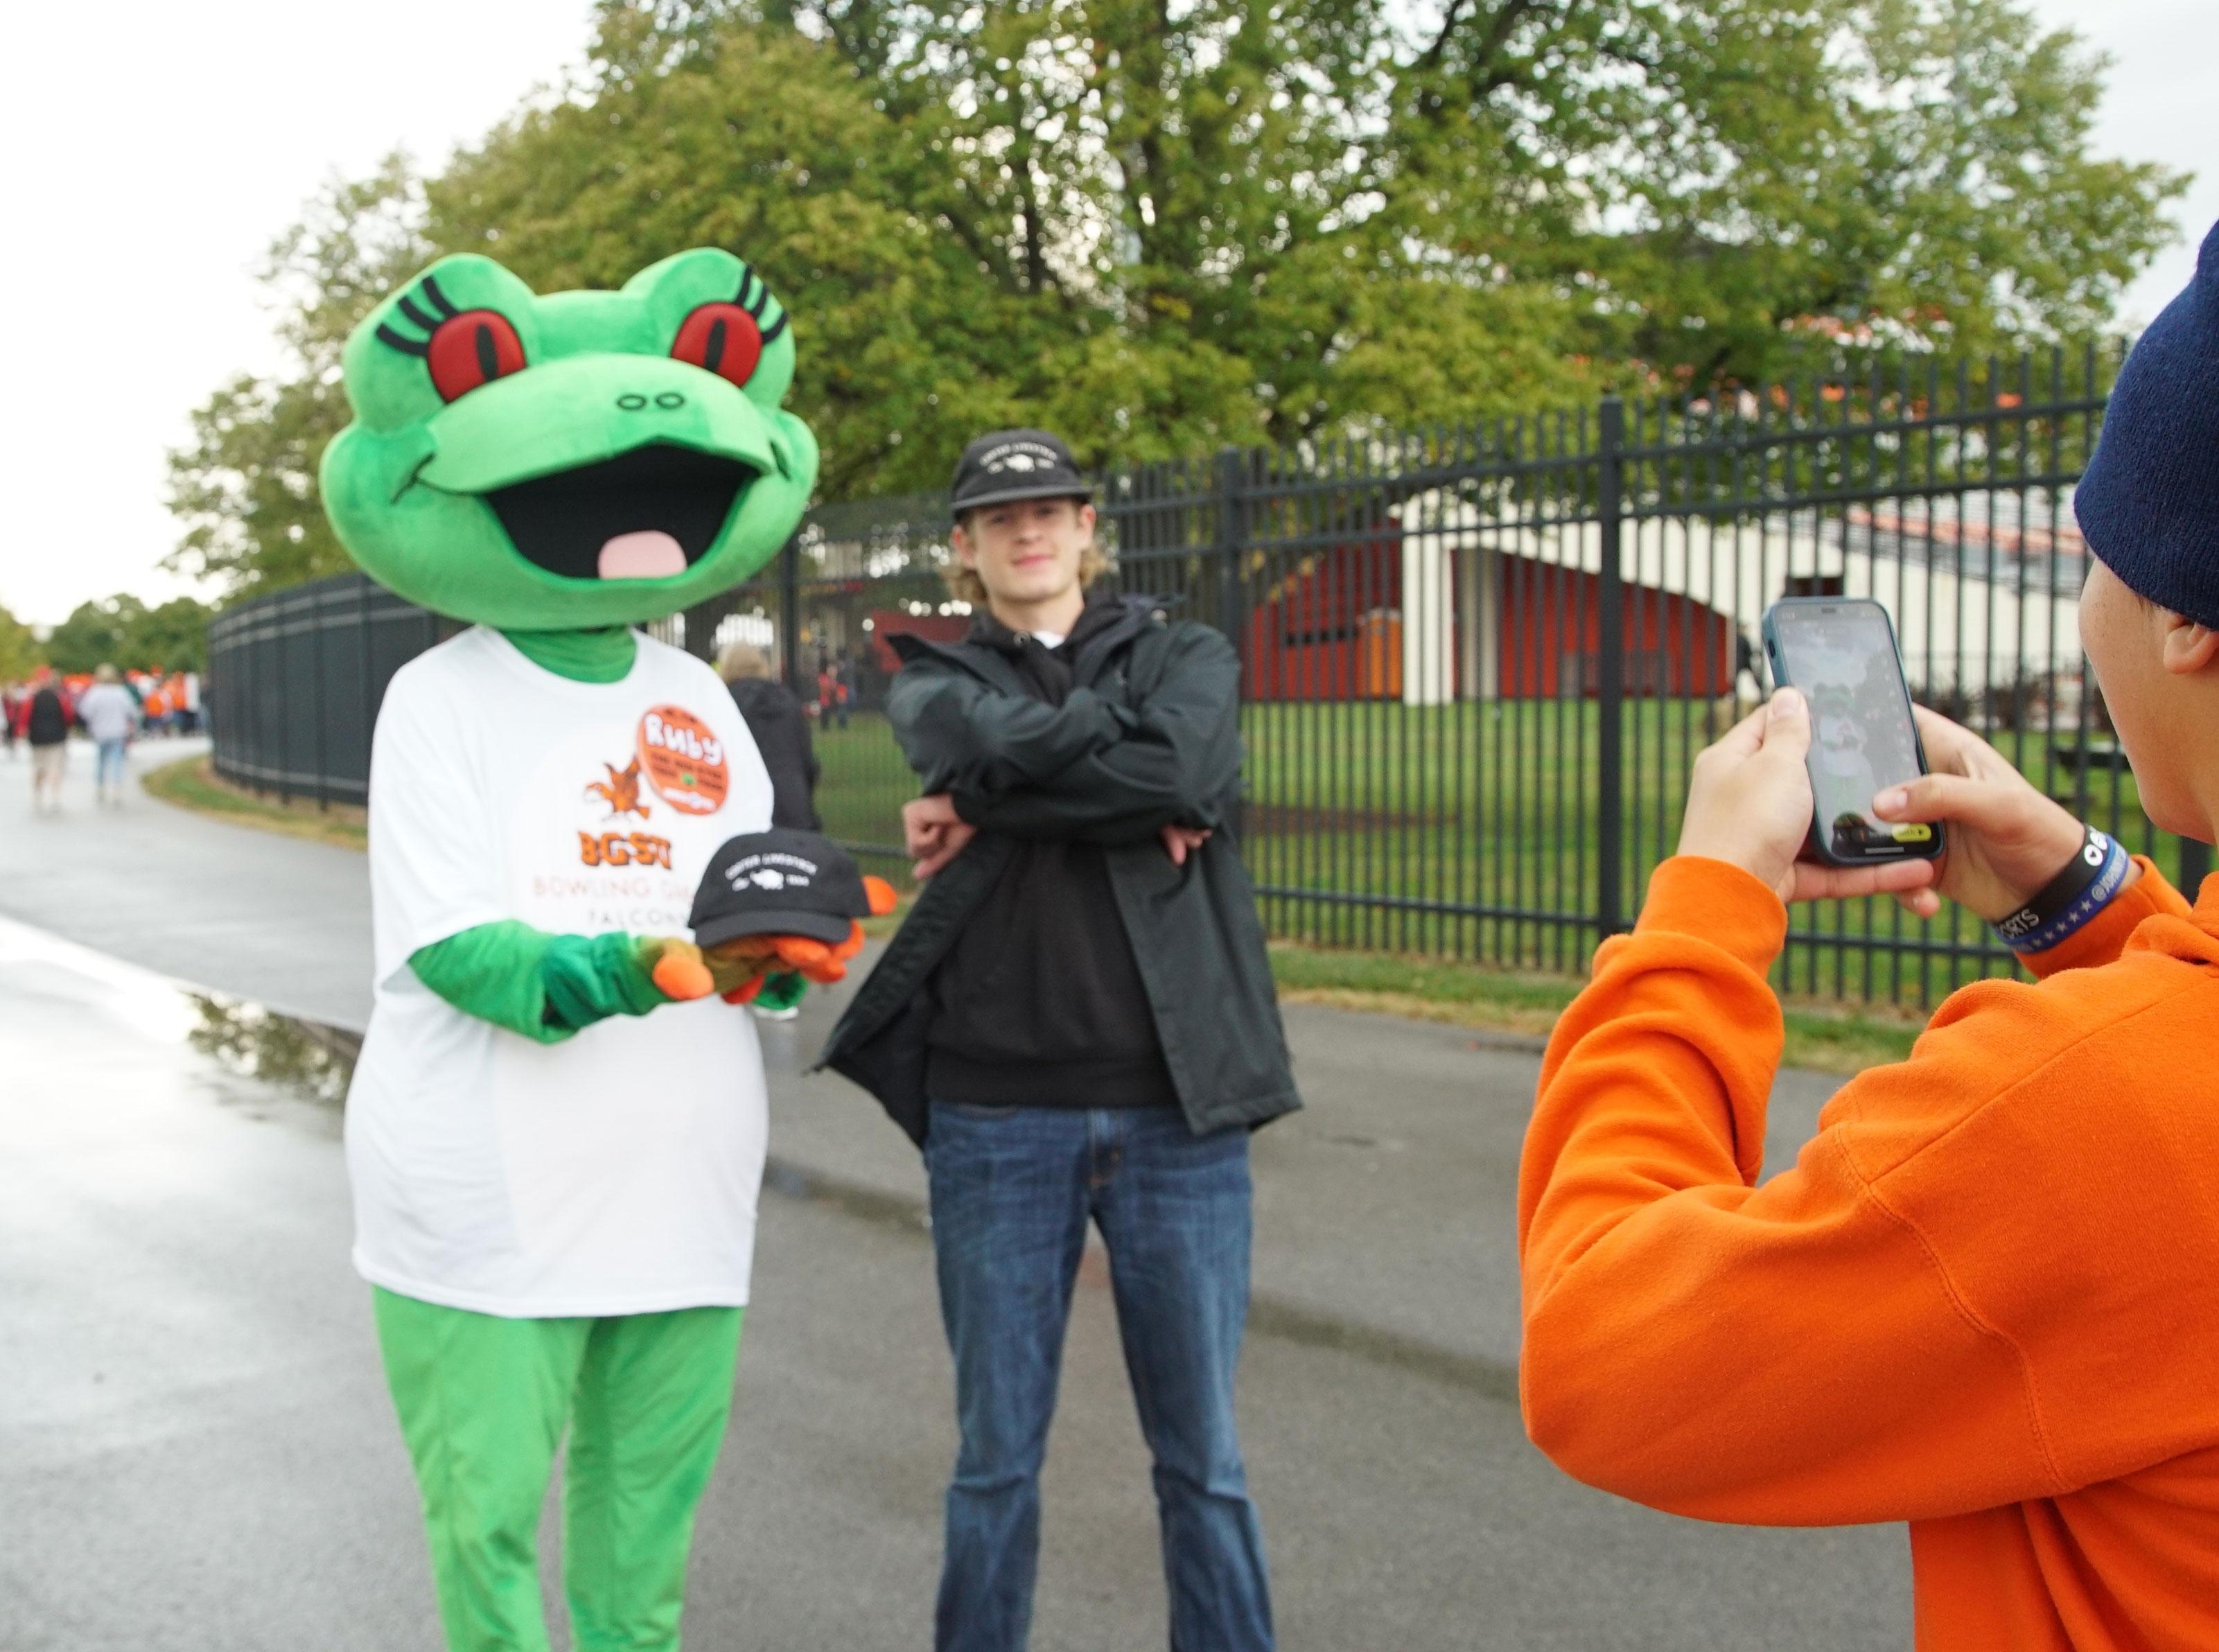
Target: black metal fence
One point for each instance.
(295, 680)
(1477, 662)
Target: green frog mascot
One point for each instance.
(556, 1132)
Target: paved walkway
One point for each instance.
(208, 1406)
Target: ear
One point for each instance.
(2189, 647)
(966, 552)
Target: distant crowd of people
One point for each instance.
(111, 708)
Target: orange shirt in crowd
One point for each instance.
(1985, 1300)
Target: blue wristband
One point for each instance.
(2077, 913)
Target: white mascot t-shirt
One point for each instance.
(614, 1172)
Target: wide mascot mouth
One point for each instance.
(647, 514)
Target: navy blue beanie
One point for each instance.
(2149, 504)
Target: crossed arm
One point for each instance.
(1087, 770)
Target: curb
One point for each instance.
(1268, 1315)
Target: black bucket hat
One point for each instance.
(781, 882)
(1005, 465)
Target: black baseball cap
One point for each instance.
(1005, 465)
(781, 882)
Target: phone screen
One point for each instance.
(1842, 656)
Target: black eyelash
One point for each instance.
(751, 283)
(428, 289)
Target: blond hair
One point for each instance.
(742, 660)
(965, 585)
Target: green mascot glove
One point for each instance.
(549, 987)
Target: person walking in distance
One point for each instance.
(46, 731)
(775, 718)
(110, 716)
(781, 729)
(1031, 1027)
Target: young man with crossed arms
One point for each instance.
(1076, 1023)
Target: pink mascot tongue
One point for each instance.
(650, 554)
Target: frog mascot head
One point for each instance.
(582, 459)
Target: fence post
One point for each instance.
(789, 613)
(1232, 591)
(322, 705)
(2195, 865)
(1610, 676)
(1231, 541)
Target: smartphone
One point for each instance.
(1840, 652)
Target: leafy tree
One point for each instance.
(122, 631)
(172, 636)
(244, 487)
(93, 634)
(20, 652)
(1680, 188)
(1161, 229)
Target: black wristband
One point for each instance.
(2021, 929)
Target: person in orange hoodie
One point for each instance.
(1985, 1299)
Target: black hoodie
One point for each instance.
(1038, 1002)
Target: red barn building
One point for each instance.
(1330, 628)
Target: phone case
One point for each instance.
(1816, 846)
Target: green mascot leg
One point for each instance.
(483, 1401)
(644, 1432)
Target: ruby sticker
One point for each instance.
(683, 761)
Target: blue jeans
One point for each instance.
(1012, 1191)
(108, 764)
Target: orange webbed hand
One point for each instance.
(817, 961)
(678, 968)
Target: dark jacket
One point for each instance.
(1039, 1001)
(1149, 736)
(47, 723)
(781, 729)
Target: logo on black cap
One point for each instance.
(780, 882)
(1006, 465)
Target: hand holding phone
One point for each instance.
(1749, 804)
(1840, 653)
(2006, 841)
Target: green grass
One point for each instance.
(191, 783)
(1826, 1038)
(1362, 816)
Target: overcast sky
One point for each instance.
(150, 169)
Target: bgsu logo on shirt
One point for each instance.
(684, 762)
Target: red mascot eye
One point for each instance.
(474, 348)
(722, 337)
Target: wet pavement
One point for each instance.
(197, 1450)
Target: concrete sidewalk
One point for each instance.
(1385, 1210)
(199, 1453)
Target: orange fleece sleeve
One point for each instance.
(1795, 1353)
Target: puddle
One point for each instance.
(307, 1058)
